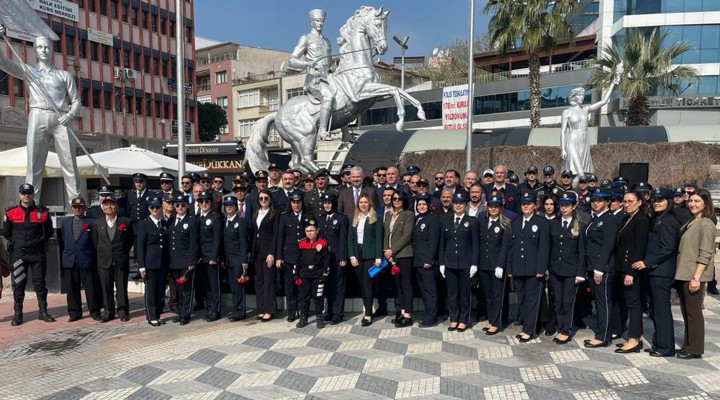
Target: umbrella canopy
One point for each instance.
(13, 162)
(129, 160)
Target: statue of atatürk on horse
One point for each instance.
(350, 90)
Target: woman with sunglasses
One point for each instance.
(365, 241)
(659, 263)
(694, 269)
(263, 227)
(397, 244)
(567, 263)
(630, 248)
(153, 259)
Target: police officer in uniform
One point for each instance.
(583, 192)
(236, 237)
(96, 211)
(425, 241)
(27, 228)
(289, 234)
(601, 234)
(459, 254)
(153, 260)
(528, 262)
(167, 181)
(549, 182)
(137, 199)
(531, 183)
(334, 229)
(184, 243)
(261, 180)
(210, 225)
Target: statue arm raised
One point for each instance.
(300, 50)
(12, 67)
(606, 98)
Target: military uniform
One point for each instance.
(154, 258)
(210, 226)
(184, 248)
(334, 229)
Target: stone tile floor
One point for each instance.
(249, 360)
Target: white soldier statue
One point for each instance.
(44, 121)
(316, 49)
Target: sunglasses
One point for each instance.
(180, 205)
(264, 198)
(186, 182)
(689, 191)
(27, 193)
(439, 178)
(396, 199)
(381, 175)
(405, 182)
(154, 207)
(217, 181)
(165, 182)
(203, 201)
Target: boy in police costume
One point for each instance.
(313, 268)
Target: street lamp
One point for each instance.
(403, 46)
(471, 99)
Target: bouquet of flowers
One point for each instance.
(394, 269)
(243, 279)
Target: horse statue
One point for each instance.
(356, 86)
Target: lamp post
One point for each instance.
(468, 151)
(403, 46)
(180, 69)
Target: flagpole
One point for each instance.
(180, 69)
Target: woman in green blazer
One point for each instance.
(397, 245)
(365, 249)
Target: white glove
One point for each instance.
(442, 270)
(580, 278)
(498, 272)
(473, 270)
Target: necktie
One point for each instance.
(355, 197)
(490, 222)
(593, 217)
(138, 196)
(241, 211)
(524, 222)
(327, 218)
(298, 217)
(457, 222)
(177, 221)
(565, 225)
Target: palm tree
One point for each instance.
(536, 24)
(648, 69)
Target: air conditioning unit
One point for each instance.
(130, 74)
(119, 73)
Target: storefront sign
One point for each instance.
(454, 107)
(21, 35)
(100, 37)
(60, 8)
(230, 164)
(659, 102)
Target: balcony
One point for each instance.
(203, 88)
(520, 73)
(269, 107)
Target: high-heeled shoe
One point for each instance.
(365, 322)
(634, 349)
(452, 328)
(154, 323)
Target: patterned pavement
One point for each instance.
(253, 360)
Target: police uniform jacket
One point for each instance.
(567, 252)
(494, 244)
(400, 240)
(27, 230)
(312, 259)
(280, 199)
(78, 251)
(372, 240)
(425, 239)
(335, 231)
(290, 232)
(264, 237)
(137, 206)
(525, 187)
(600, 243)
(459, 248)
(152, 244)
(530, 250)
(631, 242)
(236, 236)
(117, 250)
(210, 236)
(662, 245)
(184, 241)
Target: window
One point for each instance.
(118, 99)
(103, 7)
(164, 68)
(244, 128)
(220, 77)
(134, 14)
(116, 57)
(3, 83)
(18, 88)
(93, 50)
(248, 98)
(105, 51)
(172, 28)
(126, 58)
(136, 61)
(125, 10)
(107, 100)
(203, 83)
(69, 45)
(295, 92)
(113, 9)
(84, 97)
(148, 105)
(82, 43)
(91, 5)
(272, 101)
(138, 106)
(158, 109)
(222, 102)
(146, 64)
(155, 66)
(144, 19)
(96, 98)
(163, 25)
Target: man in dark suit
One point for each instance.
(510, 193)
(113, 237)
(184, 243)
(153, 259)
(79, 263)
(280, 194)
(236, 237)
(347, 197)
(210, 244)
(334, 229)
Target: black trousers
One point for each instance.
(154, 293)
(265, 287)
(19, 275)
(291, 290)
(691, 308)
(172, 302)
(335, 288)
(663, 340)
(237, 289)
(427, 282)
(459, 295)
(199, 288)
(115, 279)
(366, 285)
(528, 290)
(565, 292)
(547, 307)
(75, 279)
(184, 291)
(385, 288)
(633, 301)
(403, 284)
(311, 288)
(619, 315)
(212, 287)
(494, 299)
(603, 297)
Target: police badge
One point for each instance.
(466, 224)
(497, 229)
(600, 224)
(185, 226)
(534, 228)
(422, 227)
(334, 222)
(38, 215)
(208, 222)
(236, 225)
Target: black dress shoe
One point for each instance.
(212, 317)
(653, 353)
(235, 318)
(485, 328)
(452, 328)
(365, 322)
(95, 317)
(591, 345)
(687, 356)
(379, 314)
(268, 319)
(125, 318)
(291, 319)
(490, 333)
(106, 318)
(398, 317)
(518, 336)
(154, 323)
(463, 329)
(560, 341)
(336, 320)
(713, 290)
(525, 339)
(75, 318)
(185, 321)
(404, 322)
(634, 349)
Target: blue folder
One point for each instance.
(375, 269)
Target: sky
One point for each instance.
(277, 24)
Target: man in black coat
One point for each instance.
(113, 238)
(237, 244)
(184, 247)
(210, 225)
(334, 229)
(153, 259)
(510, 193)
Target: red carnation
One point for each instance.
(181, 280)
(395, 270)
(510, 198)
(122, 227)
(298, 281)
(243, 279)
(217, 199)
(85, 227)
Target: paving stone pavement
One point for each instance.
(253, 360)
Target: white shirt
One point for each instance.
(111, 223)
(155, 221)
(360, 229)
(491, 221)
(261, 215)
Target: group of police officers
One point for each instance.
(541, 238)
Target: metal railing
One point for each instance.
(218, 58)
(521, 73)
